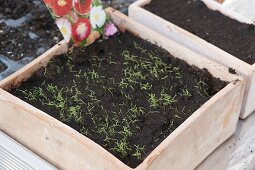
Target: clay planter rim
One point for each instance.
(199, 45)
(235, 87)
(232, 14)
(38, 114)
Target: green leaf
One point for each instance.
(83, 43)
(97, 3)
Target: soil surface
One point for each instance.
(193, 15)
(124, 93)
(2, 66)
(121, 5)
(26, 29)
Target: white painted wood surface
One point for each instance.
(193, 42)
(185, 148)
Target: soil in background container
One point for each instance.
(26, 30)
(2, 66)
(193, 15)
(124, 93)
(121, 5)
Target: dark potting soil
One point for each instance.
(2, 67)
(26, 29)
(15, 9)
(121, 5)
(124, 93)
(232, 71)
(193, 15)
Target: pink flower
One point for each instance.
(110, 29)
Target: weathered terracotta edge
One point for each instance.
(136, 10)
(228, 87)
(174, 48)
(228, 12)
(157, 36)
(192, 121)
(42, 116)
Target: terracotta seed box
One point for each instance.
(193, 42)
(185, 148)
